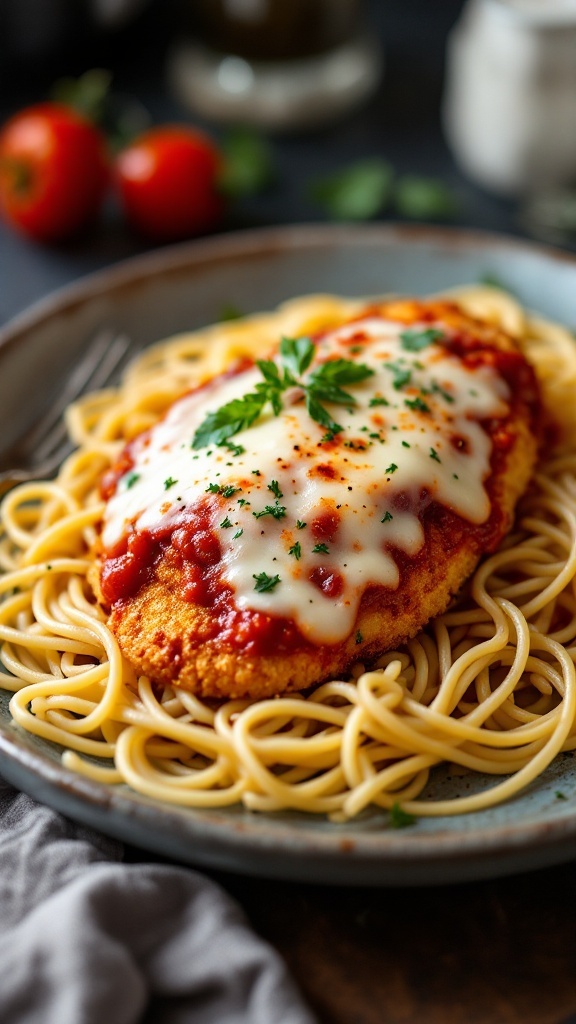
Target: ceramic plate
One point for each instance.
(185, 287)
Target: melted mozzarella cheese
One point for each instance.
(415, 426)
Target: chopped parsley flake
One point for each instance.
(226, 491)
(225, 524)
(378, 401)
(296, 550)
(560, 795)
(417, 404)
(169, 482)
(275, 488)
(442, 391)
(320, 549)
(131, 479)
(401, 374)
(234, 449)
(391, 468)
(387, 517)
(264, 582)
(415, 341)
(358, 638)
(434, 455)
(400, 818)
(300, 525)
(276, 511)
(406, 445)
(237, 534)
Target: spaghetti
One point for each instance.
(490, 686)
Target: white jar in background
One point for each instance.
(509, 106)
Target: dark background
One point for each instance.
(485, 953)
(401, 123)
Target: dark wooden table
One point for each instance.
(492, 952)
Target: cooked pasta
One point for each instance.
(489, 686)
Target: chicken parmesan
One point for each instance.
(300, 513)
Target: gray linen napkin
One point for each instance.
(86, 939)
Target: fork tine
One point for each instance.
(112, 358)
(78, 380)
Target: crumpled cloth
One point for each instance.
(87, 939)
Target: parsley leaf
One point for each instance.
(131, 479)
(248, 165)
(417, 404)
(415, 341)
(357, 192)
(425, 199)
(401, 374)
(400, 818)
(324, 384)
(276, 511)
(296, 550)
(296, 354)
(264, 582)
(229, 419)
(274, 486)
(320, 549)
(169, 482)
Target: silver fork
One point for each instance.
(39, 452)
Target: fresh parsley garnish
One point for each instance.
(387, 517)
(300, 525)
(213, 489)
(274, 486)
(320, 549)
(296, 550)
(378, 401)
(439, 390)
(391, 468)
(276, 511)
(131, 479)
(237, 534)
(169, 482)
(434, 455)
(400, 818)
(324, 384)
(415, 340)
(401, 375)
(416, 404)
(265, 582)
(358, 638)
(225, 524)
(234, 449)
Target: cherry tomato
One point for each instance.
(168, 183)
(53, 171)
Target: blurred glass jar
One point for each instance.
(279, 64)
(510, 96)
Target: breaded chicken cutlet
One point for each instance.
(301, 513)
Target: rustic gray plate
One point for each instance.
(184, 287)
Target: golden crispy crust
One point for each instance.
(172, 640)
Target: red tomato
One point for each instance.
(53, 171)
(168, 181)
